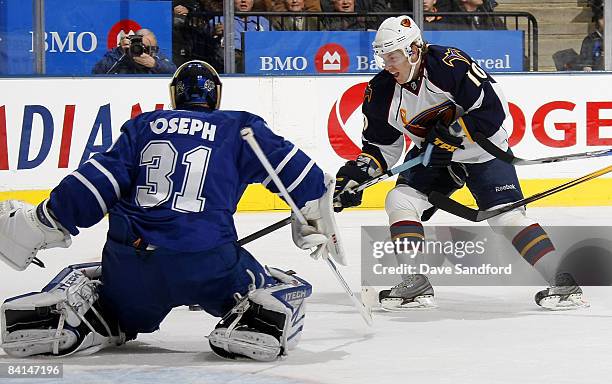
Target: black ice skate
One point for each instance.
(563, 295)
(415, 292)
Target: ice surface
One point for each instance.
(478, 335)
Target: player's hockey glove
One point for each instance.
(440, 144)
(349, 176)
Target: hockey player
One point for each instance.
(438, 96)
(170, 185)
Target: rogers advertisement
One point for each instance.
(49, 126)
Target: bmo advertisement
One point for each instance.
(78, 33)
(49, 126)
(295, 53)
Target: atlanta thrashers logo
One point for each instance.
(453, 54)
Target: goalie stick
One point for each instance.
(451, 206)
(507, 157)
(249, 137)
(368, 183)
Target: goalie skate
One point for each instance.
(415, 292)
(564, 295)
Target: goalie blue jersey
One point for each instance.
(177, 177)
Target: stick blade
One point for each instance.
(451, 206)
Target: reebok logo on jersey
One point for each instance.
(505, 187)
(184, 126)
(439, 143)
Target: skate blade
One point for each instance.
(419, 303)
(254, 345)
(554, 303)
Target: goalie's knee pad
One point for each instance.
(61, 320)
(25, 229)
(266, 323)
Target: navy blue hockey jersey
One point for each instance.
(177, 177)
(449, 87)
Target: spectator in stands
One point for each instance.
(444, 5)
(592, 49)
(242, 24)
(434, 22)
(596, 6)
(295, 23)
(477, 22)
(371, 22)
(402, 6)
(192, 34)
(136, 54)
(212, 5)
(343, 23)
(359, 23)
(281, 5)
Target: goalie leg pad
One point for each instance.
(63, 319)
(265, 323)
(25, 229)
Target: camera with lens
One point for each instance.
(137, 48)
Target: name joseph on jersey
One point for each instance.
(184, 126)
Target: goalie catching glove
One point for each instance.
(26, 229)
(321, 230)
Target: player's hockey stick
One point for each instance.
(368, 183)
(449, 205)
(507, 157)
(249, 137)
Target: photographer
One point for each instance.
(136, 54)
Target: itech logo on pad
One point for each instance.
(332, 58)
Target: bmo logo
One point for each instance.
(332, 58)
(68, 42)
(289, 63)
(125, 27)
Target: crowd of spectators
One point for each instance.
(198, 24)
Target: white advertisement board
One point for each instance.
(49, 126)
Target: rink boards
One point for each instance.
(49, 126)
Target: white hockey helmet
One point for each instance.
(396, 33)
